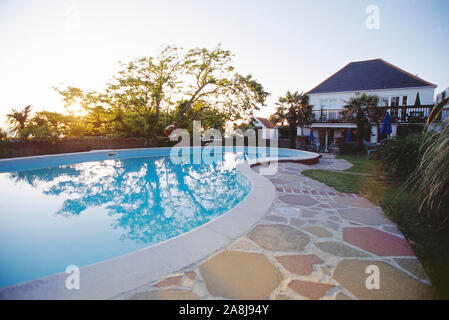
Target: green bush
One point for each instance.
(400, 155)
(349, 148)
(405, 130)
(284, 132)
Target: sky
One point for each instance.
(285, 45)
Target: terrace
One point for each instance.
(403, 114)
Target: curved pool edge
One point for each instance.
(109, 278)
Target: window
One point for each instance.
(332, 103)
(395, 101)
(323, 104)
(383, 102)
(404, 101)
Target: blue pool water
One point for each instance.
(86, 212)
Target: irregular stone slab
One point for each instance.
(275, 218)
(393, 229)
(377, 242)
(324, 205)
(242, 245)
(287, 211)
(240, 275)
(310, 290)
(413, 266)
(369, 217)
(278, 181)
(335, 218)
(342, 296)
(319, 232)
(337, 205)
(279, 238)
(339, 249)
(332, 225)
(300, 200)
(308, 213)
(394, 284)
(170, 281)
(166, 295)
(299, 264)
(297, 222)
(354, 202)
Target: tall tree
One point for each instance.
(356, 111)
(212, 83)
(198, 84)
(374, 112)
(293, 108)
(145, 84)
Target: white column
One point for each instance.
(325, 143)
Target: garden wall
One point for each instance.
(13, 149)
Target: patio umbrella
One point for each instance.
(349, 136)
(311, 137)
(386, 125)
(215, 125)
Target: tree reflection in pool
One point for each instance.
(88, 212)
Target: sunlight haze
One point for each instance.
(285, 45)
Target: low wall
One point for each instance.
(16, 149)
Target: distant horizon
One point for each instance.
(291, 45)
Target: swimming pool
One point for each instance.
(79, 209)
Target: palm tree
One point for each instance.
(294, 109)
(18, 119)
(363, 110)
(374, 112)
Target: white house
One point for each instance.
(269, 131)
(407, 97)
(443, 96)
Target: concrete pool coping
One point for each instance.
(106, 279)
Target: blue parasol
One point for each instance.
(349, 136)
(311, 137)
(386, 124)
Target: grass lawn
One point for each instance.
(368, 178)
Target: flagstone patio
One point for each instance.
(314, 243)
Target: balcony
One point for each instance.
(402, 114)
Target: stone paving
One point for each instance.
(314, 243)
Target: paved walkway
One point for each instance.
(315, 243)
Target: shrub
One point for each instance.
(400, 155)
(284, 132)
(349, 148)
(3, 134)
(430, 180)
(405, 130)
